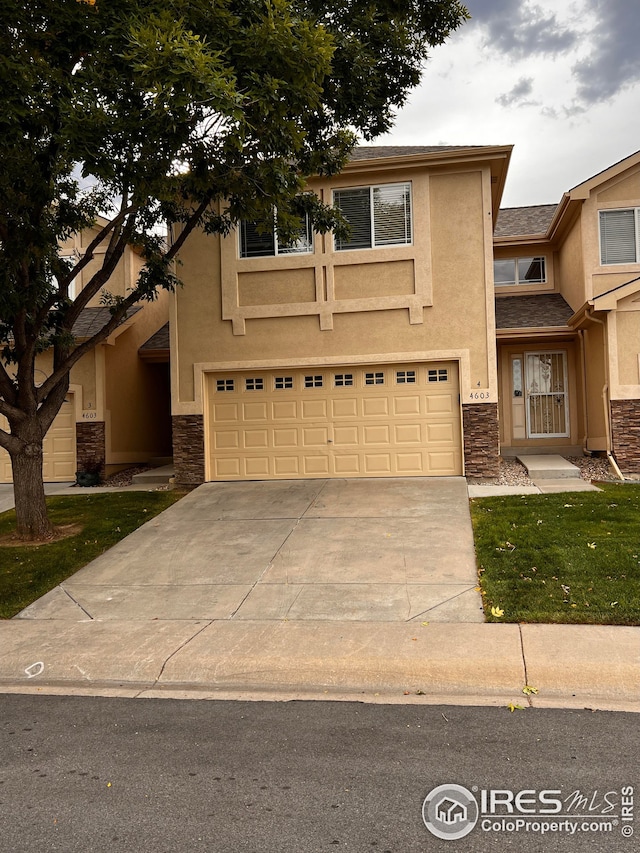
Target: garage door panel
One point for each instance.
(285, 438)
(366, 422)
(315, 436)
(256, 438)
(225, 412)
(378, 434)
(406, 405)
(316, 466)
(408, 434)
(375, 407)
(284, 411)
(347, 465)
(440, 433)
(59, 448)
(314, 409)
(439, 404)
(344, 408)
(226, 439)
(377, 463)
(255, 411)
(345, 436)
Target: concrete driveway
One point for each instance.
(395, 550)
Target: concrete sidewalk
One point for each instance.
(311, 589)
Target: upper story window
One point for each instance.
(620, 236)
(520, 271)
(377, 216)
(256, 242)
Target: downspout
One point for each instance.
(605, 396)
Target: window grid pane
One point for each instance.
(374, 379)
(342, 380)
(405, 377)
(225, 385)
(283, 382)
(254, 384)
(440, 374)
(313, 381)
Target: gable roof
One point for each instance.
(524, 221)
(532, 312)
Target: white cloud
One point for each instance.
(559, 80)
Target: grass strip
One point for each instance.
(29, 571)
(560, 558)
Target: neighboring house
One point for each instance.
(567, 281)
(373, 357)
(118, 406)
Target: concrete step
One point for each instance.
(550, 467)
(154, 475)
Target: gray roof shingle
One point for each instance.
(159, 340)
(374, 152)
(91, 320)
(528, 312)
(524, 221)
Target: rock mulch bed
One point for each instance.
(513, 473)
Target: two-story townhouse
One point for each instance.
(117, 410)
(567, 283)
(373, 356)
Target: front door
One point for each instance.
(547, 410)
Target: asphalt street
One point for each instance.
(106, 774)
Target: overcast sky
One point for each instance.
(558, 79)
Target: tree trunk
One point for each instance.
(28, 488)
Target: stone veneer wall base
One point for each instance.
(481, 440)
(90, 443)
(625, 434)
(188, 449)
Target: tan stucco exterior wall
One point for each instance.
(137, 404)
(427, 300)
(570, 265)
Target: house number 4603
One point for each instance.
(479, 395)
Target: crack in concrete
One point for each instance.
(173, 654)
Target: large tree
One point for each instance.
(168, 111)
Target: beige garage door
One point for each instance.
(372, 421)
(59, 464)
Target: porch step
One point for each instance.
(154, 476)
(541, 467)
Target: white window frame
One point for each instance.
(515, 262)
(408, 219)
(306, 249)
(636, 224)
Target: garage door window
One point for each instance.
(374, 378)
(342, 380)
(313, 381)
(281, 383)
(405, 377)
(225, 385)
(439, 375)
(254, 384)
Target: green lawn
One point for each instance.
(569, 557)
(27, 572)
